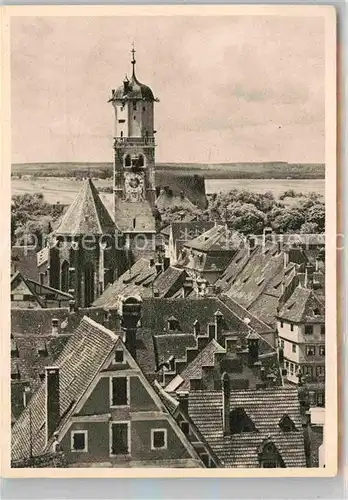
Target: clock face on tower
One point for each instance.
(134, 186)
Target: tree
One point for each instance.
(309, 228)
(246, 218)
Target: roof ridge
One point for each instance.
(101, 327)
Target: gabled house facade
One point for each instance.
(96, 404)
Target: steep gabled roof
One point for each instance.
(79, 362)
(142, 279)
(87, 214)
(218, 238)
(241, 450)
(303, 307)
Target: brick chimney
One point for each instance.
(226, 397)
(131, 313)
(251, 243)
(52, 400)
(219, 321)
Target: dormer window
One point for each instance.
(269, 456)
(240, 422)
(15, 374)
(173, 324)
(119, 358)
(42, 349)
(286, 424)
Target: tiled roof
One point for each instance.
(39, 321)
(25, 286)
(24, 260)
(32, 354)
(135, 217)
(218, 238)
(204, 359)
(303, 307)
(87, 214)
(172, 344)
(142, 279)
(241, 450)
(185, 231)
(79, 362)
(255, 323)
(166, 200)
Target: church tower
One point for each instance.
(134, 162)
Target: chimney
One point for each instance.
(196, 328)
(159, 267)
(52, 400)
(55, 326)
(171, 363)
(226, 396)
(131, 313)
(286, 253)
(219, 319)
(166, 263)
(253, 348)
(267, 235)
(211, 330)
(72, 306)
(309, 277)
(183, 402)
(182, 196)
(280, 242)
(251, 243)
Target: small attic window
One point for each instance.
(291, 306)
(173, 324)
(240, 422)
(316, 311)
(260, 281)
(238, 260)
(286, 424)
(119, 358)
(276, 286)
(246, 279)
(15, 374)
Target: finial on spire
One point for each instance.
(133, 58)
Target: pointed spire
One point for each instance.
(87, 214)
(133, 60)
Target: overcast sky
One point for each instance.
(230, 88)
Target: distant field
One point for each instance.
(165, 171)
(63, 190)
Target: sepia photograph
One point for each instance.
(172, 241)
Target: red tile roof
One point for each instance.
(241, 450)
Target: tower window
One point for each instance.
(134, 106)
(127, 161)
(134, 117)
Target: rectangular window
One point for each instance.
(322, 350)
(158, 439)
(291, 368)
(310, 350)
(293, 347)
(119, 391)
(291, 327)
(282, 343)
(120, 439)
(308, 329)
(321, 399)
(308, 371)
(134, 106)
(322, 329)
(79, 441)
(320, 371)
(286, 364)
(119, 356)
(281, 324)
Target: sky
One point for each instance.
(231, 89)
